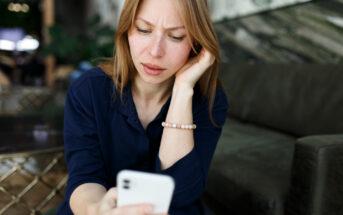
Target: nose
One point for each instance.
(156, 47)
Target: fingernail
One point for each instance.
(149, 209)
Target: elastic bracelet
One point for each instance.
(179, 126)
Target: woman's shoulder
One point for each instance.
(93, 77)
(92, 88)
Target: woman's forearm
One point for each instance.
(176, 143)
(84, 196)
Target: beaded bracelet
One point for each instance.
(179, 126)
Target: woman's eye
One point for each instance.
(143, 31)
(177, 38)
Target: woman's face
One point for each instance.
(158, 42)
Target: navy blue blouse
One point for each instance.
(102, 136)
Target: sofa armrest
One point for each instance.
(317, 176)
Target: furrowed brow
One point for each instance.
(150, 24)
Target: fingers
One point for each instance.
(111, 193)
(109, 201)
(111, 196)
(141, 209)
(108, 206)
(190, 73)
(206, 58)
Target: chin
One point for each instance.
(155, 79)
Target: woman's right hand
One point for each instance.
(108, 206)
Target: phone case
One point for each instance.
(135, 187)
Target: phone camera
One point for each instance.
(126, 184)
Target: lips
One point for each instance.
(152, 69)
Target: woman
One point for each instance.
(164, 70)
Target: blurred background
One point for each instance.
(47, 44)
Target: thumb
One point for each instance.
(110, 200)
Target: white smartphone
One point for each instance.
(135, 187)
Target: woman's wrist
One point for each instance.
(183, 89)
(181, 105)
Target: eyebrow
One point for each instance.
(149, 23)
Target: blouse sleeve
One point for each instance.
(82, 148)
(190, 172)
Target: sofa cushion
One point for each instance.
(301, 99)
(316, 185)
(251, 168)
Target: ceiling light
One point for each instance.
(7, 45)
(27, 44)
(16, 7)
(25, 8)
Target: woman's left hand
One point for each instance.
(191, 72)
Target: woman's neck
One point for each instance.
(151, 94)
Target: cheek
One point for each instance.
(137, 45)
(133, 46)
(180, 55)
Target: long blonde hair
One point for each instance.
(198, 25)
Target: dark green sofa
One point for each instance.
(281, 151)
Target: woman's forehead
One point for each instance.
(159, 12)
